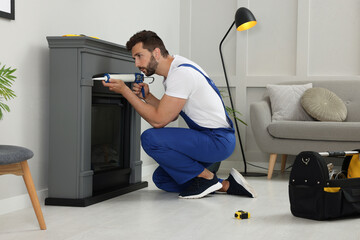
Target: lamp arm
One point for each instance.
(223, 64)
(230, 97)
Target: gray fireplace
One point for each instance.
(94, 133)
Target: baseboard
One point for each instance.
(19, 202)
(148, 170)
(226, 166)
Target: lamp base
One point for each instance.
(253, 174)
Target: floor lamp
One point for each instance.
(244, 19)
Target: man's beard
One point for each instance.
(151, 67)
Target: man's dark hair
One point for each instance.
(150, 41)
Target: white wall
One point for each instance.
(23, 46)
(293, 40)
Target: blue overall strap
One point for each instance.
(212, 84)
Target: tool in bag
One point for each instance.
(351, 166)
(314, 195)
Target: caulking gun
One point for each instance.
(133, 77)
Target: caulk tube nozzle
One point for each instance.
(105, 78)
(100, 78)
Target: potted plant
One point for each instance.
(6, 80)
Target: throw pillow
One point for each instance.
(285, 102)
(324, 105)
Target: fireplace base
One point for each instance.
(84, 202)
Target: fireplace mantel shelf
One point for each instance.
(87, 42)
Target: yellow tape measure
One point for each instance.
(242, 214)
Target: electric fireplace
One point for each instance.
(94, 133)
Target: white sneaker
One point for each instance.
(239, 186)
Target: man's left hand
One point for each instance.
(115, 85)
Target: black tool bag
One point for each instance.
(313, 195)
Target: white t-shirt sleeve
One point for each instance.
(180, 84)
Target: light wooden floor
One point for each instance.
(153, 214)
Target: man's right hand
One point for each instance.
(137, 90)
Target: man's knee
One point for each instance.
(157, 179)
(160, 179)
(164, 182)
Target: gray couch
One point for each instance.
(293, 137)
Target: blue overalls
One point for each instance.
(183, 153)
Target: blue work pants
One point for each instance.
(183, 153)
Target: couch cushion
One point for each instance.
(314, 130)
(285, 102)
(323, 105)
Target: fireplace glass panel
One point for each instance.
(107, 133)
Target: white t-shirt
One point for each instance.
(203, 104)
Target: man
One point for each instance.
(183, 154)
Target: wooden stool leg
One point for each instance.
(32, 193)
(283, 162)
(272, 161)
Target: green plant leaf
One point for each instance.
(6, 93)
(232, 112)
(3, 107)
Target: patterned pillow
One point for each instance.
(285, 102)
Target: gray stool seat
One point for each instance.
(14, 154)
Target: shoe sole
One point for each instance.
(211, 189)
(241, 180)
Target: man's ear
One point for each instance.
(157, 53)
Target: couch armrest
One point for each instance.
(260, 118)
(260, 115)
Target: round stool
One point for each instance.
(13, 160)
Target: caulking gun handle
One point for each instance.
(143, 92)
(142, 88)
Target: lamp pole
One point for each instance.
(230, 97)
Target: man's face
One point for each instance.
(144, 59)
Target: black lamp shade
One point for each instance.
(244, 19)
